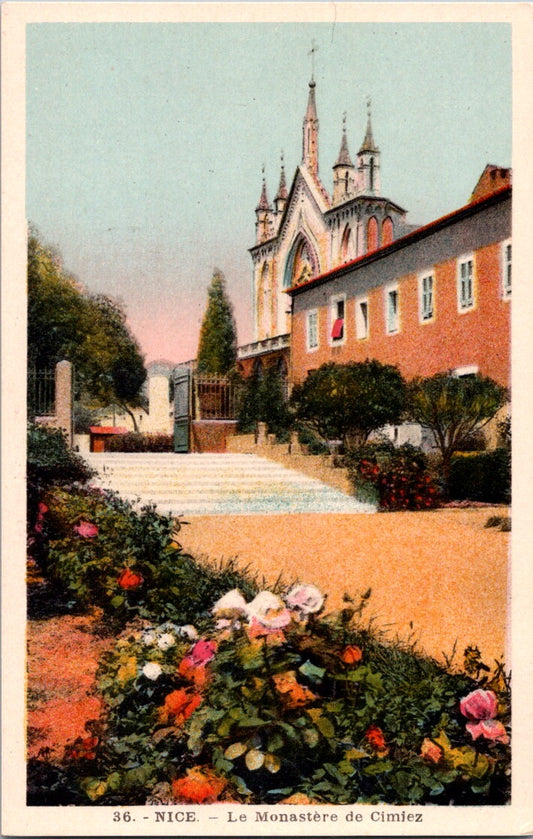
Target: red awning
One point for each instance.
(108, 429)
(338, 328)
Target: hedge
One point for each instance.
(481, 477)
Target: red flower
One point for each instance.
(479, 705)
(352, 654)
(376, 738)
(86, 529)
(430, 751)
(199, 786)
(178, 707)
(83, 749)
(129, 579)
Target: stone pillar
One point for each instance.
(261, 434)
(63, 412)
(158, 420)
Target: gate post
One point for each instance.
(63, 412)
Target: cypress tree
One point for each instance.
(217, 348)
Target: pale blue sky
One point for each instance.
(145, 142)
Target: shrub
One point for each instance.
(482, 477)
(312, 442)
(103, 553)
(395, 478)
(135, 442)
(262, 399)
(276, 701)
(50, 461)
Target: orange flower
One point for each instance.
(197, 674)
(293, 694)
(179, 705)
(430, 751)
(352, 654)
(129, 579)
(376, 739)
(199, 786)
(83, 749)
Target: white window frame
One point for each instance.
(426, 275)
(333, 316)
(507, 266)
(392, 328)
(362, 326)
(312, 313)
(467, 306)
(464, 372)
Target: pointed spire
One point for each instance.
(310, 133)
(263, 200)
(368, 142)
(282, 188)
(344, 158)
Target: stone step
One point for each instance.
(217, 484)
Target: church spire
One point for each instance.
(343, 171)
(281, 197)
(263, 213)
(368, 164)
(310, 133)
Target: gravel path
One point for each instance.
(442, 571)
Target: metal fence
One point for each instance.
(41, 393)
(214, 397)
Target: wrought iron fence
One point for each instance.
(214, 397)
(41, 393)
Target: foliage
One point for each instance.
(481, 477)
(50, 461)
(313, 444)
(140, 443)
(276, 701)
(217, 349)
(453, 408)
(504, 432)
(90, 331)
(263, 399)
(395, 478)
(340, 401)
(103, 553)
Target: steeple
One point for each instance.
(369, 180)
(310, 133)
(343, 171)
(280, 200)
(263, 213)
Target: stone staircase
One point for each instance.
(217, 484)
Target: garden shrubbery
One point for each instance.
(393, 477)
(482, 477)
(136, 442)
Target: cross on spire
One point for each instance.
(311, 52)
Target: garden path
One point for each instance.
(439, 577)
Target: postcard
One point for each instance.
(266, 418)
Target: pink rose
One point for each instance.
(479, 705)
(489, 729)
(86, 529)
(202, 652)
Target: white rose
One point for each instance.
(152, 670)
(166, 641)
(148, 637)
(188, 631)
(307, 599)
(269, 610)
(232, 601)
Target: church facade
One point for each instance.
(307, 231)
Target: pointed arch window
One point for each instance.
(302, 263)
(372, 234)
(387, 231)
(347, 245)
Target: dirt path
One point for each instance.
(441, 570)
(62, 659)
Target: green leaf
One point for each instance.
(325, 727)
(117, 601)
(378, 767)
(312, 672)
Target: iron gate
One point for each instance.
(182, 409)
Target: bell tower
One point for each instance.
(368, 167)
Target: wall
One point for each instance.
(477, 337)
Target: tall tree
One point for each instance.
(90, 331)
(454, 408)
(351, 400)
(217, 348)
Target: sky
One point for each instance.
(145, 143)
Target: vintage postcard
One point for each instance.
(266, 418)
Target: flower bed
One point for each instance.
(219, 691)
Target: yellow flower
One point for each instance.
(128, 670)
